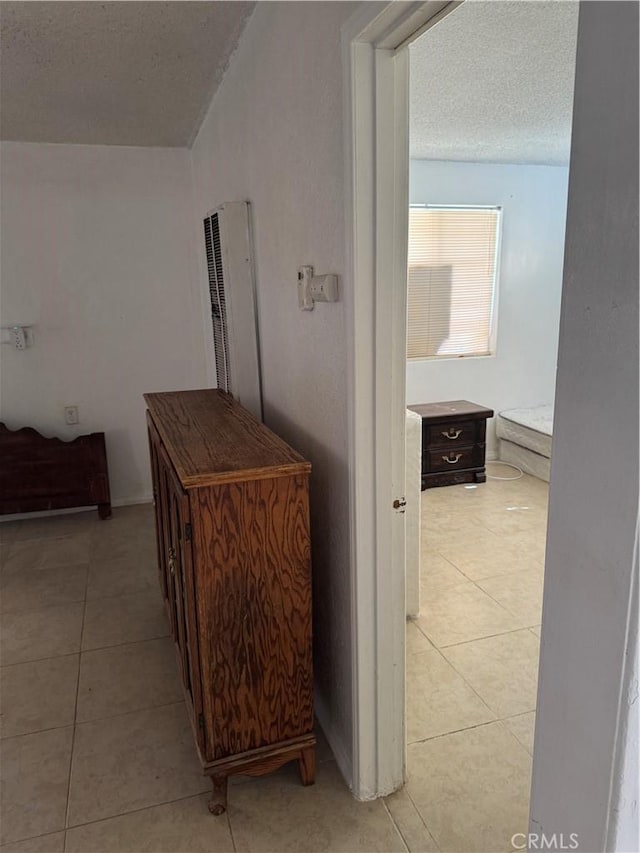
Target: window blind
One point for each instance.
(451, 281)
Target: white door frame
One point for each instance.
(376, 76)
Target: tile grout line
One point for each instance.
(420, 815)
(498, 719)
(75, 715)
(103, 819)
(134, 711)
(394, 823)
(77, 722)
(477, 639)
(473, 690)
(120, 645)
(487, 637)
(199, 794)
(233, 838)
(458, 731)
(38, 660)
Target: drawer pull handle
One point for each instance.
(451, 433)
(172, 561)
(458, 457)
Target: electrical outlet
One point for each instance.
(71, 415)
(18, 338)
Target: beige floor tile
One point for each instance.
(131, 539)
(439, 700)
(8, 531)
(52, 843)
(127, 678)
(515, 518)
(124, 619)
(23, 555)
(522, 727)
(471, 788)
(185, 826)
(442, 530)
(122, 576)
(416, 642)
(47, 553)
(127, 521)
(518, 592)
(38, 695)
(409, 823)
(133, 761)
(57, 526)
(37, 634)
(35, 776)
(527, 488)
(65, 552)
(532, 543)
(535, 631)
(487, 559)
(437, 573)
(33, 589)
(277, 813)
(503, 670)
(463, 613)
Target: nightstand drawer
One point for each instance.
(453, 459)
(451, 434)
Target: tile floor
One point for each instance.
(96, 750)
(472, 661)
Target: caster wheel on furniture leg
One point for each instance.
(216, 808)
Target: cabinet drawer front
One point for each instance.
(453, 459)
(451, 434)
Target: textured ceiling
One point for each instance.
(493, 82)
(114, 73)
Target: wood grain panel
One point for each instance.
(254, 612)
(211, 438)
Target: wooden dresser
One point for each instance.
(232, 519)
(453, 442)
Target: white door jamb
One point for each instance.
(376, 169)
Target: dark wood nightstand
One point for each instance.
(453, 442)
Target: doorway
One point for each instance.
(377, 170)
(491, 97)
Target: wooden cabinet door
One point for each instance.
(181, 579)
(160, 507)
(254, 613)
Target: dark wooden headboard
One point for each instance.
(38, 473)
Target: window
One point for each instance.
(452, 278)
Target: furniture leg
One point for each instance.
(480, 477)
(104, 510)
(218, 803)
(307, 765)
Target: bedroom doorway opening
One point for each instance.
(491, 98)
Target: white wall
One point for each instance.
(583, 709)
(273, 136)
(97, 252)
(534, 200)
